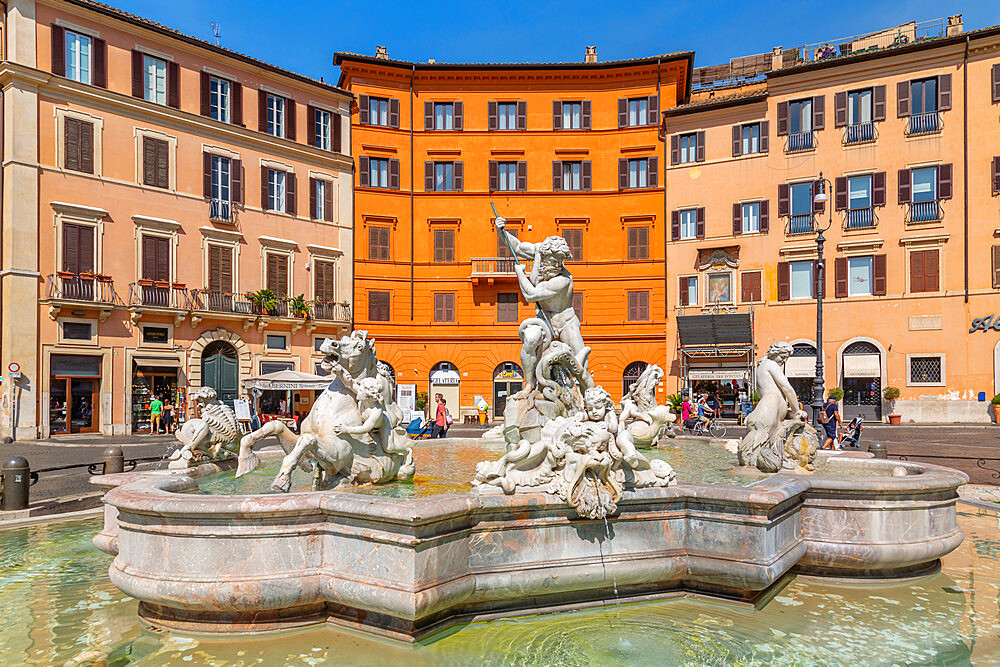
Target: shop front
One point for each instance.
(800, 369)
(285, 394)
(445, 380)
(74, 393)
(156, 377)
(861, 364)
(729, 385)
(716, 358)
(507, 381)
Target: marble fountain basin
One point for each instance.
(408, 567)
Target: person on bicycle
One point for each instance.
(705, 412)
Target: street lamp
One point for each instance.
(820, 197)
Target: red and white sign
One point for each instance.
(13, 367)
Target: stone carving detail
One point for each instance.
(353, 434)
(779, 436)
(648, 420)
(562, 433)
(213, 435)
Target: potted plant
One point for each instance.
(675, 400)
(263, 301)
(299, 306)
(996, 408)
(891, 394)
(836, 394)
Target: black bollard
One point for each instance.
(16, 480)
(878, 449)
(114, 460)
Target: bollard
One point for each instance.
(114, 460)
(878, 449)
(16, 480)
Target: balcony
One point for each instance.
(925, 211)
(491, 269)
(800, 141)
(800, 224)
(860, 133)
(158, 294)
(220, 210)
(95, 288)
(923, 123)
(220, 302)
(860, 218)
(331, 311)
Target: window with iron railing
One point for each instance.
(800, 141)
(924, 206)
(220, 209)
(924, 123)
(860, 133)
(800, 219)
(800, 126)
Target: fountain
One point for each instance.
(566, 514)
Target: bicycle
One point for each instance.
(713, 428)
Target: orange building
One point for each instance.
(150, 182)
(560, 149)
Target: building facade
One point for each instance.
(564, 149)
(153, 185)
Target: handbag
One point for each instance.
(447, 418)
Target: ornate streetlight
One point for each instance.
(820, 197)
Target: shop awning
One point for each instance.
(800, 367)
(285, 380)
(862, 366)
(157, 362)
(721, 329)
(445, 377)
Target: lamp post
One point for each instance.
(818, 388)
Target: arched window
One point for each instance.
(861, 347)
(508, 379)
(631, 374)
(803, 350)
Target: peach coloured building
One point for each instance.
(905, 127)
(566, 149)
(150, 182)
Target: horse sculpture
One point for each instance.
(639, 404)
(337, 456)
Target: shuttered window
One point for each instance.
(996, 267)
(220, 269)
(924, 271)
(688, 292)
(78, 145)
(444, 307)
(638, 243)
(507, 307)
(507, 115)
(574, 239)
(578, 305)
(323, 281)
(378, 306)
(638, 111)
(155, 258)
(571, 115)
(750, 287)
(155, 163)
(378, 243)
(502, 250)
(638, 306)
(378, 111)
(320, 199)
(277, 274)
(77, 248)
(444, 246)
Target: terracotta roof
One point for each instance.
(114, 12)
(341, 56)
(717, 102)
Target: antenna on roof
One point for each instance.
(216, 28)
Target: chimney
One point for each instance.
(591, 56)
(381, 52)
(776, 58)
(954, 25)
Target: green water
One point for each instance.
(59, 608)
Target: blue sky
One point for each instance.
(302, 36)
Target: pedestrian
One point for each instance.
(705, 411)
(155, 412)
(714, 404)
(829, 417)
(168, 416)
(440, 417)
(686, 409)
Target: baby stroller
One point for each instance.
(851, 437)
(418, 428)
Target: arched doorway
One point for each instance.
(631, 374)
(507, 380)
(220, 370)
(800, 369)
(445, 380)
(861, 362)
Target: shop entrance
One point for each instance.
(150, 381)
(220, 370)
(445, 380)
(862, 381)
(74, 394)
(507, 380)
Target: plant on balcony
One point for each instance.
(263, 300)
(299, 306)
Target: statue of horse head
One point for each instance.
(643, 391)
(352, 357)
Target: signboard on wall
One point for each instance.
(406, 397)
(718, 375)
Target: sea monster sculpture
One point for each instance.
(646, 420)
(213, 435)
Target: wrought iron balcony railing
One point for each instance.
(158, 294)
(95, 288)
(220, 302)
(333, 311)
(800, 224)
(220, 209)
(860, 218)
(860, 133)
(800, 141)
(495, 266)
(924, 123)
(924, 211)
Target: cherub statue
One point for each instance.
(598, 408)
(374, 417)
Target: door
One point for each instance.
(502, 390)
(220, 370)
(58, 406)
(863, 396)
(83, 406)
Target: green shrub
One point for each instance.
(836, 393)
(890, 393)
(996, 400)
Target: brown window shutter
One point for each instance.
(148, 257)
(632, 242)
(783, 199)
(995, 81)
(148, 161)
(944, 181)
(206, 95)
(162, 164)
(363, 110)
(764, 128)
(290, 119)
(522, 115)
(904, 186)
(428, 176)
(585, 175)
(236, 112)
(652, 171)
(675, 151)
(393, 118)
(522, 176)
(622, 112)
(311, 125)
(819, 112)
(653, 110)
(262, 111)
(457, 176)
(996, 175)
(458, 111)
(996, 267)
(840, 277)
(746, 295)
(337, 123)
(944, 92)
(491, 116)
(878, 103)
(291, 201)
(840, 193)
(700, 223)
(557, 115)
(557, 176)
(765, 218)
(363, 171)
(782, 119)
(493, 176)
(71, 144)
(58, 37)
(817, 279)
(236, 181)
(784, 281)
(206, 174)
(902, 99)
(282, 283)
(312, 198)
(622, 173)
(263, 188)
(701, 146)
(87, 148)
(585, 116)
(931, 270)
(917, 271)
(737, 140)
(682, 297)
(70, 246)
(173, 85)
(328, 201)
(737, 218)
(428, 115)
(879, 271)
(100, 57)
(631, 313)
(393, 174)
(840, 109)
(675, 225)
(642, 242)
(137, 87)
(878, 188)
(162, 259)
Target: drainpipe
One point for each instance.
(965, 158)
(413, 72)
(662, 136)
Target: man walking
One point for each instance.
(829, 417)
(155, 410)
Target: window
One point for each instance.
(571, 176)
(800, 117)
(860, 274)
(689, 223)
(378, 306)
(801, 206)
(859, 202)
(924, 271)
(689, 148)
(574, 239)
(637, 173)
(221, 193)
(319, 199)
(996, 267)
(801, 279)
(572, 115)
(638, 176)
(77, 330)
(859, 107)
(155, 335)
(751, 138)
(275, 116)
(507, 116)
(444, 307)
(378, 243)
(78, 145)
(444, 176)
(750, 287)
(502, 250)
(78, 56)
(324, 293)
(638, 112)
(220, 277)
(689, 291)
(444, 116)
(378, 111)
(155, 162)
(924, 206)
(276, 342)
(276, 190)
(507, 307)
(276, 273)
(323, 122)
(77, 258)
(571, 172)
(638, 243)
(926, 370)
(638, 306)
(578, 305)
(154, 71)
(751, 217)
(924, 96)
(219, 102)
(444, 246)
(506, 176)
(378, 172)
